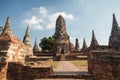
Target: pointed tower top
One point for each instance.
(36, 48)
(77, 47)
(60, 16)
(114, 39)
(60, 20)
(114, 21)
(93, 35)
(26, 39)
(8, 20)
(27, 30)
(7, 29)
(84, 48)
(94, 41)
(60, 30)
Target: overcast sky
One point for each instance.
(81, 16)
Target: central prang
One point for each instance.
(62, 44)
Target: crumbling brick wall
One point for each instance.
(104, 65)
(3, 68)
(17, 71)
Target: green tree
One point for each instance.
(47, 43)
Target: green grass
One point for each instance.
(54, 64)
(79, 63)
(81, 56)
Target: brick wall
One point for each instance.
(104, 65)
(17, 71)
(3, 69)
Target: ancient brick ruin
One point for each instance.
(62, 42)
(13, 53)
(103, 60)
(77, 47)
(35, 47)
(11, 48)
(84, 47)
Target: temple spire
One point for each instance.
(7, 29)
(77, 47)
(94, 41)
(26, 39)
(60, 29)
(114, 39)
(36, 48)
(84, 47)
(61, 38)
(114, 21)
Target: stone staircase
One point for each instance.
(71, 75)
(67, 70)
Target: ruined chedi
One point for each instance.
(94, 42)
(114, 40)
(11, 48)
(35, 47)
(7, 29)
(104, 62)
(26, 41)
(62, 42)
(77, 47)
(84, 47)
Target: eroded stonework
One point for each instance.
(84, 47)
(104, 61)
(26, 41)
(114, 40)
(35, 47)
(11, 48)
(77, 47)
(94, 42)
(62, 41)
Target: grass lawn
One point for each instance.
(79, 63)
(54, 64)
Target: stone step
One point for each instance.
(72, 75)
(59, 79)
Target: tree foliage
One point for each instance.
(47, 43)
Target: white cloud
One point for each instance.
(39, 18)
(43, 11)
(38, 27)
(33, 21)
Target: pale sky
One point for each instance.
(81, 16)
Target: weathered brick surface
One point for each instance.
(62, 42)
(3, 68)
(17, 71)
(104, 65)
